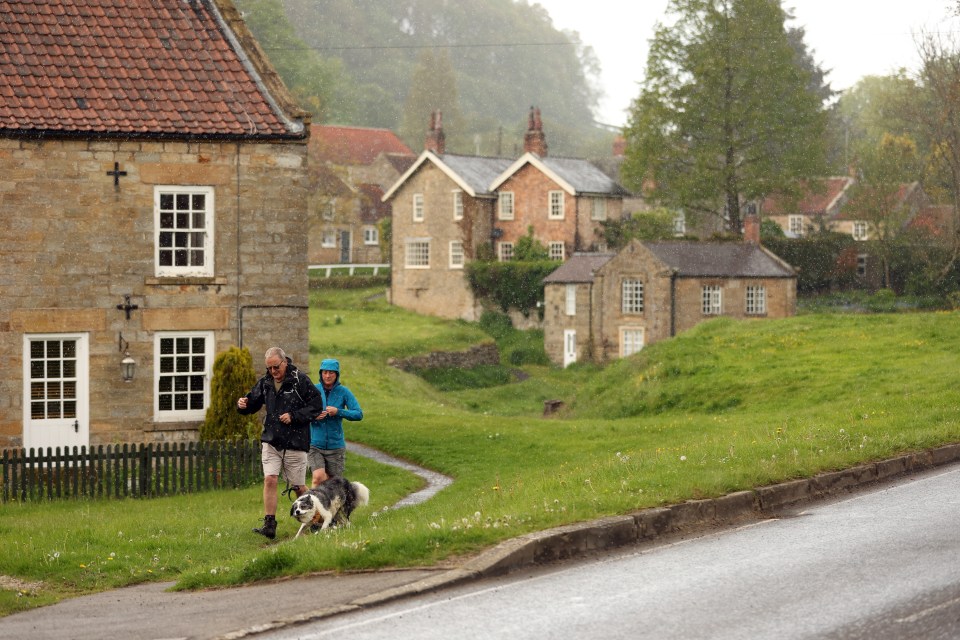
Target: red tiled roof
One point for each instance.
(935, 219)
(353, 145)
(143, 67)
(899, 199)
(814, 200)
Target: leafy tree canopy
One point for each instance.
(729, 110)
(506, 55)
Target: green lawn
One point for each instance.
(728, 406)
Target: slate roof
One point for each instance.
(355, 145)
(579, 268)
(720, 259)
(151, 68)
(478, 172)
(584, 176)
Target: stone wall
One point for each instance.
(474, 356)
(74, 243)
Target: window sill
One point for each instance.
(181, 280)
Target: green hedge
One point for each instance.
(510, 285)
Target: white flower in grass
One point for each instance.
(683, 458)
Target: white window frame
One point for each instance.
(418, 207)
(416, 253)
(795, 224)
(196, 237)
(371, 235)
(329, 239)
(756, 300)
(861, 230)
(631, 340)
(506, 206)
(570, 300)
(555, 205)
(862, 264)
(160, 374)
(631, 296)
(557, 251)
(458, 205)
(598, 208)
(711, 300)
(505, 251)
(456, 254)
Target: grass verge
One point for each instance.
(727, 406)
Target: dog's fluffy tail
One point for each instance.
(363, 494)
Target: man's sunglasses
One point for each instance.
(274, 367)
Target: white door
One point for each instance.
(569, 346)
(56, 404)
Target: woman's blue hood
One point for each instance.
(330, 364)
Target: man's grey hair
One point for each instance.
(275, 351)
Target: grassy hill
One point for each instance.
(727, 406)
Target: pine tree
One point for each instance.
(729, 111)
(233, 376)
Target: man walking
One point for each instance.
(291, 401)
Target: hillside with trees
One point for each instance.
(389, 64)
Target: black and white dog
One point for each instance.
(332, 502)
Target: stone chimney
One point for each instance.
(751, 228)
(436, 140)
(534, 141)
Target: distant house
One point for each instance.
(155, 180)
(598, 307)
(346, 208)
(447, 208)
(817, 206)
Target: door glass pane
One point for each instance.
(53, 374)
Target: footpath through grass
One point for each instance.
(728, 406)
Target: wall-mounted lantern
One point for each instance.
(128, 365)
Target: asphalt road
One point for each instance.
(882, 564)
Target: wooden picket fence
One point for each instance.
(128, 471)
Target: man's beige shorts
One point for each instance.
(292, 464)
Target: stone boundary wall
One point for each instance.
(472, 357)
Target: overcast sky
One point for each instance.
(853, 38)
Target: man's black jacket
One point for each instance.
(297, 396)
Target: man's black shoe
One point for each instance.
(269, 528)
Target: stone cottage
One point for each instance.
(354, 167)
(598, 307)
(448, 208)
(153, 179)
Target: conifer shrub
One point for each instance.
(233, 376)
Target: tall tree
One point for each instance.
(875, 107)
(728, 111)
(433, 87)
(939, 116)
(876, 198)
(318, 84)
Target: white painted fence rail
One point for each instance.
(328, 268)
